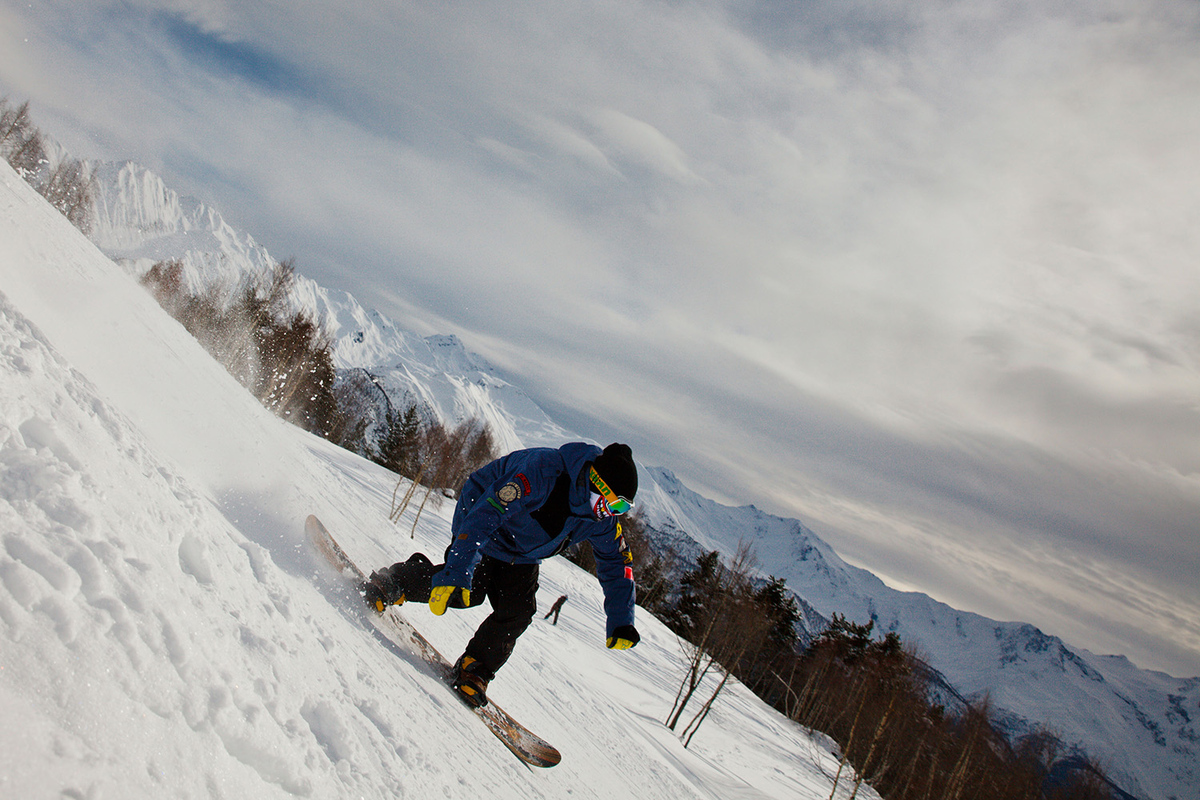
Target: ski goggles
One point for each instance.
(617, 505)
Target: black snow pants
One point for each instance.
(512, 591)
(510, 588)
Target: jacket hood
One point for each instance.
(576, 456)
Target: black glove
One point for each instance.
(623, 638)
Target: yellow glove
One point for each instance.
(623, 638)
(439, 598)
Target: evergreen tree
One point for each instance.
(779, 604)
(399, 450)
(698, 588)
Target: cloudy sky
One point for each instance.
(923, 275)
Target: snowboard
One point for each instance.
(525, 745)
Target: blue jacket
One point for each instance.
(530, 505)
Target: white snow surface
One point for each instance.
(166, 631)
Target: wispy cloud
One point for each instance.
(923, 276)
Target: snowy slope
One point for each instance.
(1143, 726)
(1139, 723)
(164, 630)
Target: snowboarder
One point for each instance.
(511, 514)
(554, 609)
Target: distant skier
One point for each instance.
(554, 609)
(512, 513)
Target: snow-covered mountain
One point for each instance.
(1141, 725)
(141, 221)
(165, 631)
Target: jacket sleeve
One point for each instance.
(477, 526)
(614, 568)
(489, 499)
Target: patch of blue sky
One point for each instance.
(266, 72)
(243, 60)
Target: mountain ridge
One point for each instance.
(1031, 677)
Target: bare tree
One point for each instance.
(20, 142)
(743, 631)
(69, 186)
(66, 183)
(714, 610)
(282, 356)
(446, 458)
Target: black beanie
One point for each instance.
(616, 468)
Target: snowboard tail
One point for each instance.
(526, 745)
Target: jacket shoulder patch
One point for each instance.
(508, 493)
